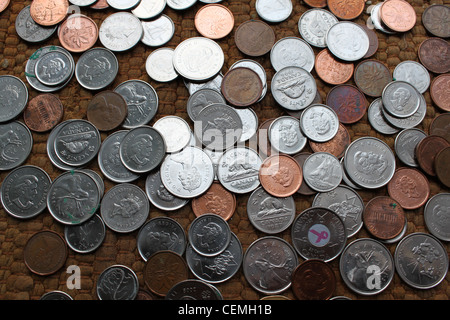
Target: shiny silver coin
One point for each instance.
(367, 266)
(28, 30)
(249, 120)
(86, 237)
(175, 131)
(51, 153)
(270, 214)
(435, 214)
(202, 98)
(149, 9)
(117, 282)
(120, 31)
(159, 196)
(16, 146)
(180, 4)
(123, 4)
(274, 11)
(319, 123)
(322, 171)
(377, 119)
(414, 73)
(347, 41)
(53, 68)
(292, 51)
(411, 121)
(286, 136)
(159, 65)
(13, 97)
(158, 32)
(313, 26)
(400, 99)
(209, 234)
(405, 145)
(193, 289)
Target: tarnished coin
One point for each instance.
(274, 252)
(409, 187)
(421, 260)
(24, 192)
(319, 123)
(241, 87)
(201, 99)
(336, 146)
(405, 145)
(349, 103)
(313, 280)
(332, 70)
(53, 68)
(214, 21)
(86, 237)
(78, 33)
(193, 289)
(123, 4)
(411, 121)
(371, 77)
(373, 40)
(217, 200)
(313, 26)
(347, 41)
(117, 282)
(158, 194)
(158, 32)
(120, 31)
(440, 126)
(17, 145)
(45, 253)
(149, 9)
(175, 131)
(258, 68)
(441, 166)
(27, 29)
(435, 214)
(434, 55)
(322, 171)
(377, 119)
(318, 233)
(372, 260)
(414, 73)
(439, 91)
(43, 112)
(346, 11)
(270, 214)
(274, 11)
(13, 97)
(426, 151)
(286, 136)
(180, 4)
(159, 65)
(400, 99)
(254, 38)
(435, 20)
(49, 12)
(107, 110)
(292, 51)
(398, 15)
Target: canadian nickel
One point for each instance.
(322, 171)
(209, 234)
(13, 97)
(405, 145)
(28, 30)
(125, 208)
(249, 120)
(188, 173)
(400, 99)
(86, 237)
(16, 146)
(347, 41)
(158, 32)
(435, 214)
(313, 26)
(238, 170)
(51, 153)
(149, 9)
(377, 119)
(180, 4)
(24, 191)
(319, 123)
(159, 65)
(120, 31)
(414, 73)
(286, 136)
(198, 58)
(117, 282)
(270, 214)
(411, 121)
(175, 131)
(159, 196)
(292, 52)
(274, 11)
(202, 98)
(142, 149)
(123, 4)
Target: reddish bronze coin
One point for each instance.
(426, 151)
(442, 166)
(214, 21)
(434, 54)
(336, 146)
(254, 38)
(384, 218)
(78, 33)
(45, 253)
(304, 188)
(440, 91)
(371, 77)
(107, 110)
(217, 200)
(346, 10)
(163, 270)
(316, 3)
(3, 5)
(398, 15)
(348, 102)
(49, 12)
(332, 70)
(241, 87)
(440, 126)
(373, 41)
(100, 5)
(264, 146)
(43, 112)
(409, 187)
(435, 19)
(280, 175)
(313, 279)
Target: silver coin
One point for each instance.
(159, 65)
(86, 237)
(377, 119)
(319, 123)
(436, 216)
(400, 99)
(268, 265)
(149, 9)
(82, 3)
(202, 98)
(286, 136)
(27, 29)
(215, 158)
(258, 68)
(219, 268)
(51, 153)
(56, 295)
(159, 196)
(214, 83)
(17, 143)
(53, 68)
(405, 145)
(187, 174)
(24, 191)
(142, 101)
(117, 282)
(270, 214)
(73, 198)
(198, 58)
(366, 266)
(96, 68)
(193, 289)
(375, 18)
(158, 32)
(209, 234)
(322, 171)
(369, 162)
(411, 121)
(249, 120)
(345, 178)
(238, 170)
(77, 142)
(13, 97)
(293, 88)
(274, 11)
(180, 4)
(347, 41)
(319, 233)
(313, 26)
(160, 234)
(175, 131)
(347, 203)
(125, 208)
(421, 260)
(98, 180)
(142, 149)
(120, 31)
(292, 51)
(414, 73)
(123, 4)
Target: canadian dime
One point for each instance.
(322, 171)
(117, 282)
(149, 9)
(86, 237)
(17, 143)
(405, 145)
(347, 41)
(209, 234)
(292, 51)
(319, 123)
(13, 97)
(27, 29)
(286, 136)
(274, 11)
(400, 99)
(175, 131)
(159, 65)
(314, 24)
(435, 212)
(120, 31)
(414, 73)
(158, 32)
(159, 196)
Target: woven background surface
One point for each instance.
(17, 282)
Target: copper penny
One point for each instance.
(217, 200)
(348, 102)
(332, 70)
(440, 126)
(346, 10)
(163, 270)
(373, 41)
(254, 38)
(214, 21)
(264, 146)
(371, 77)
(436, 19)
(78, 33)
(4, 4)
(100, 5)
(304, 188)
(409, 187)
(426, 151)
(316, 3)
(49, 12)
(241, 87)
(442, 166)
(280, 175)
(336, 146)
(43, 112)
(434, 54)
(398, 15)
(45, 253)
(313, 279)
(107, 110)
(384, 218)
(440, 91)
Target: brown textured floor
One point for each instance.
(17, 282)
